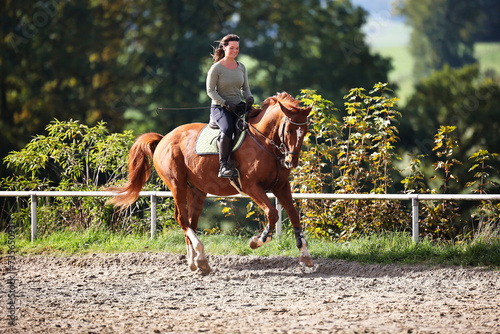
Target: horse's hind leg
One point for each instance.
(182, 216)
(196, 254)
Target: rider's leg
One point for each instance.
(225, 146)
(226, 122)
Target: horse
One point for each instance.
(270, 150)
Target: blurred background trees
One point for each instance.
(117, 61)
(90, 61)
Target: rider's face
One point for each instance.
(232, 49)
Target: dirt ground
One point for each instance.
(156, 293)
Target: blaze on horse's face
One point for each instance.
(292, 133)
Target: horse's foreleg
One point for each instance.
(265, 204)
(304, 258)
(265, 237)
(284, 196)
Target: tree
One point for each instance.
(454, 97)
(490, 21)
(118, 61)
(304, 44)
(59, 60)
(171, 53)
(444, 32)
(91, 60)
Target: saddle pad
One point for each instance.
(206, 143)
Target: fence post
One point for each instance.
(34, 218)
(280, 218)
(415, 218)
(153, 215)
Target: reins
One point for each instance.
(282, 147)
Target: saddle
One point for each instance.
(206, 142)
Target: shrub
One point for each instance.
(71, 157)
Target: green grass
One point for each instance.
(488, 55)
(402, 72)
(385, 248)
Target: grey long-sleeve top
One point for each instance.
(225, 85)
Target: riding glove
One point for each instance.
(249, 101)
(230, 106)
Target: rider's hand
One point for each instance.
(249, 102)
(230, 106)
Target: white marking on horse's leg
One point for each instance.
(200, 259)
(190, 257)
(197, 245)
(305, 258)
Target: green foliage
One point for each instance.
(352, 156)
(78, 158)
(445, 145)
(482, 171)
(318, 45)
(486, 215)
(453, 97)
(366, 151)
(119, 60)
(414, 181)
(443, 32)
(357, 155)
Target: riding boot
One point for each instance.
(225, 145)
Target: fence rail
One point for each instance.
(414, 198)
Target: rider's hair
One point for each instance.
(219, 51)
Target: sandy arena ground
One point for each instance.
(156, 293)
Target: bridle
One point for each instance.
(282, 148)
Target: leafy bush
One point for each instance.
(356, 155)
(72, 157)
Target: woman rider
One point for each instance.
(227, 84)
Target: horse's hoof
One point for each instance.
(203, 267)
(306, 261)
(254, 243)
(192, 266)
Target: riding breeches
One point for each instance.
(226, 120)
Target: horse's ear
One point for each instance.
(285, 110)
(308, 109)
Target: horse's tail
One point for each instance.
(139, 169)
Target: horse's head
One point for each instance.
(293, 129)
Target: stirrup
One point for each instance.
(235, 181)
(225, 171)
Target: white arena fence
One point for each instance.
(414, 198)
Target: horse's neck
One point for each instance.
(268, 124)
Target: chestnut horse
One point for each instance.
(264, 159)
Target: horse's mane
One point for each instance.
(286, 99)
